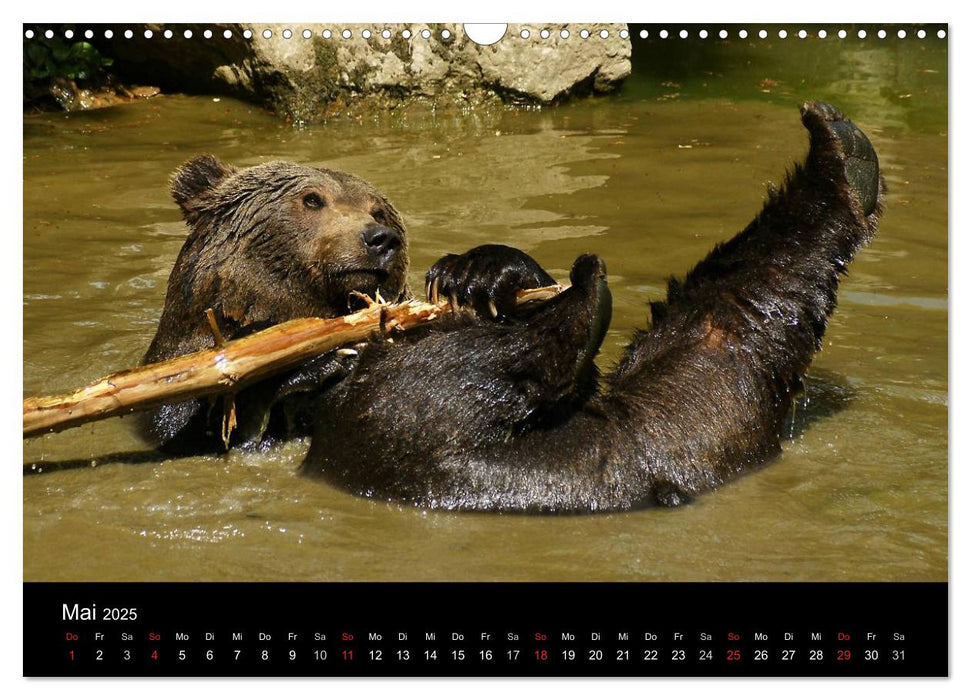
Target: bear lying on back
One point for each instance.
(503, 409)
(508, 414)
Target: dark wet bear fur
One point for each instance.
(510, 414)
(267, 244)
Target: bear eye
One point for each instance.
(380, 216)
(313, 201)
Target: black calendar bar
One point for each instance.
(454, 629)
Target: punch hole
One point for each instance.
(446, 34)
(406, 33)
(484, 34)
(366, 34)
(723, 34)
(327, 34)
(49, 34)
(287, 34)
(901, 34)
(386, 34)
(187, 33)
(802, 34)
(524, 34)
(167, 33)
(683, 33)
(68, 34)
(604, 33)
(783, 33)
(426, 34)
(624, 34)
(742, 34)
(584, 34)
(109, 33)
(703, 34)
(129, 33)
(763, 34)
(306, 33)
(941, 34)
(346, 34)
(267, 33)
(643, 34)
(861, 34)
(663, 33)
(29, 34)
(564, 33)
(921, 33)
(148, 34)
(881, 34)
(822, 34)
(545, 34)
(227, 34)
(247, 34)
(841, 33)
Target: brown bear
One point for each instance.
(267, 244)
(504, 408)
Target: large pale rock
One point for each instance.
(309, 78)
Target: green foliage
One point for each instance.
(46, 59)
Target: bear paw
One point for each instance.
(827, 125)
(485, 278)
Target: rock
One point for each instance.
(144, 92)
(545, 70)
(306, 79)
(70, 97)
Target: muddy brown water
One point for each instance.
(650, 179)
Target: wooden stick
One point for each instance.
(230, 366)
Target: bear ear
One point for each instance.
(196, 177)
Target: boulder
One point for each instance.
(327, 73)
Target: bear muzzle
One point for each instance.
(382, 244)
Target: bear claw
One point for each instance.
(485, 280)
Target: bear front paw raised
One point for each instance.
(485, 278)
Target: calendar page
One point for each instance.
(545, 349)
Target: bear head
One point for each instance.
(273, 242)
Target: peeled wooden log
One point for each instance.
(231, 366)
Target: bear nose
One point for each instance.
(380, 241)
